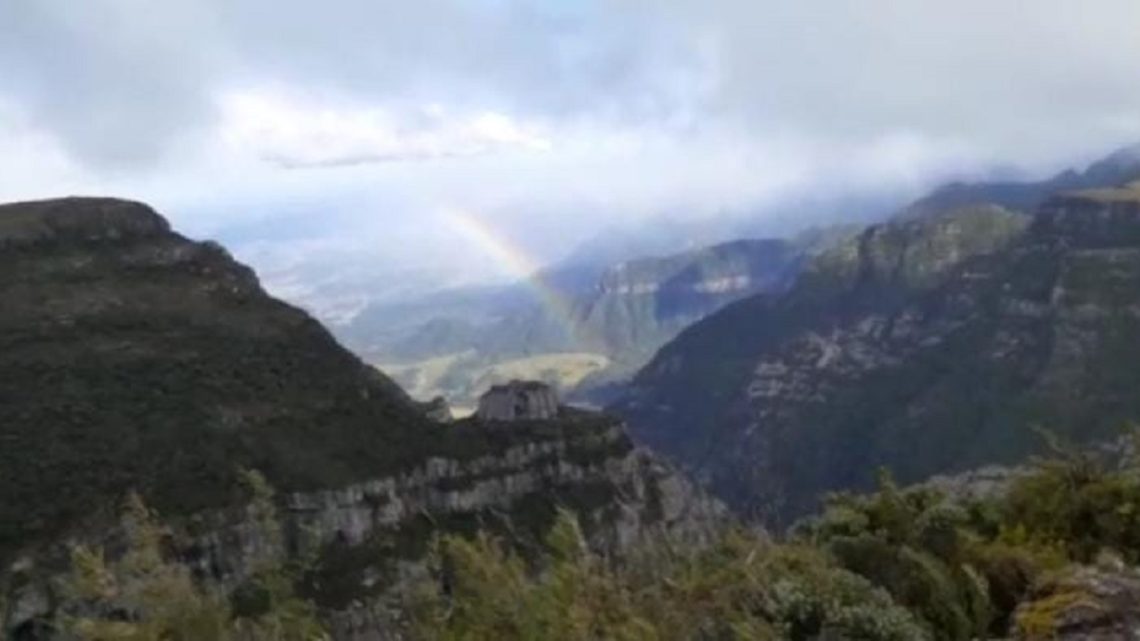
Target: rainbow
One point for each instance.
(516, 262)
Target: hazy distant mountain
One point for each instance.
(665, 235)
(452, 345)
(1120, 167)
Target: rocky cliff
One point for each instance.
(132, 358)
(639, 305)
(926, 345)
(366, 541)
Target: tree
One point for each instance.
(146, 596)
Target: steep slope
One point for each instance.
(134, 358)
(639, 305)
(927, 345)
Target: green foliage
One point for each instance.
(145, 596)
(1038, 620)
(744, 587)
(140, 596)
(1074, 500)
(911, 544)
(893, 564)
(963, 568)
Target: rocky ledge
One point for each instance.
(368, 539)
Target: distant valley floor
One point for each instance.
(462, 376)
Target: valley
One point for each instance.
(793, 386)
(542, 320)
(461, 378)
(581, 332)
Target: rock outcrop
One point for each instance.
(132, 358)
(1083, 604)
(518, 401)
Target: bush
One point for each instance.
(144, 596)
(894, 565)
(744, 587)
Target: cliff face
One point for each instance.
(929, 345)
(374, 535)
(640, 305)
(368, 539)
(132, 358)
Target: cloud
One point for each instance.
(1009, 78)
(357, 118)
(113, 80)
(33, 164)
(294, 134)
(121, 82)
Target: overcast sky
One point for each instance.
(296, 128)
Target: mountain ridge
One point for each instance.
(1119, 167)
(870, 360)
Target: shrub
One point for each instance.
(145, 596)
(743, 587)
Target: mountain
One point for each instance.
(135, 359)
(640, 304)
(583, 323)
(928, 345)
(1118, 168)
(556, 329)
